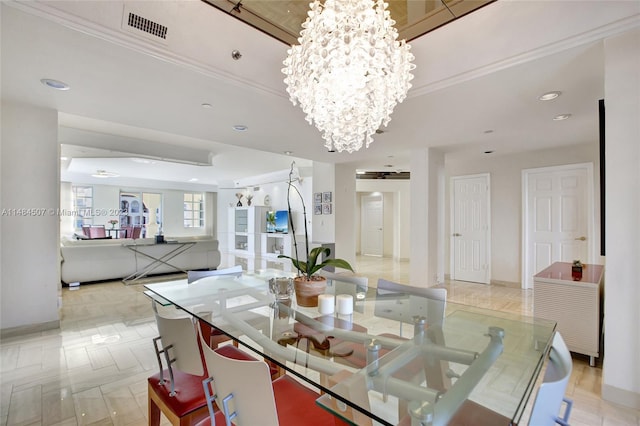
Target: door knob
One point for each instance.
(455, 234)
(581, 239)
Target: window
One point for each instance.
(193, 210)
(82, 198)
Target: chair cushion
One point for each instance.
(189, 392)
(219, 420)
(296, 404)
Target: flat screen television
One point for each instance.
(281, 223)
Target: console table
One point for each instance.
(575, 305)
(173, 249)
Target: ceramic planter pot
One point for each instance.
(307, 291)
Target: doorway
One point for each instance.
(557, 217)
(372, 226)
(470, 242)
(143, 209)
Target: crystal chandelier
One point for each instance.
(349, 71)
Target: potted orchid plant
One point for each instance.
(308, 285)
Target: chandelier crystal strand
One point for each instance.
(349, 70)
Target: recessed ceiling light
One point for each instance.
(288, 152)
(206, 105)
(193, 180)
(55, 84)
(549, 96)
(104, 174)
(561, 117)
(240, 128)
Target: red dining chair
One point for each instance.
(97, 232)
(128, 231)
(176, 390)
(135, 234)
(212, 335)
(257, 400)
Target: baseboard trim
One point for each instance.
(28, 329)
(621, 396)
(510, 284)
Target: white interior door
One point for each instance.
(558, 217)
(470, 224)
(372, 231)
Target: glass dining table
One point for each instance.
(389, 358)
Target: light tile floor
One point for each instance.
(93, 370)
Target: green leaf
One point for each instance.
(338, 263)
(311, 266)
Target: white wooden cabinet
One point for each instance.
(246, 224)
(575, 305)
(274, 244)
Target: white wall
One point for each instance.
(506, 198)
(30, 262)
(427, 217)
(324, 226)
(344, 209)
(621, 369)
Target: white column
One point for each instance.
(324, 229)
(427, 217)
(621, 368)
(30, 225)
(345, 212)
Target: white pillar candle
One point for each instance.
(326, 303)
(344, 304)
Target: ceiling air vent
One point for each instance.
(147, 25)
(399, 175)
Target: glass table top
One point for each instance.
(395, 353)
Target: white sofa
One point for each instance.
(97, 260)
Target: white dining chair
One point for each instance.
(215, 337)
(549, 397)
(176, 390)
(196, 275)
(551, 394)
(246, 395)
